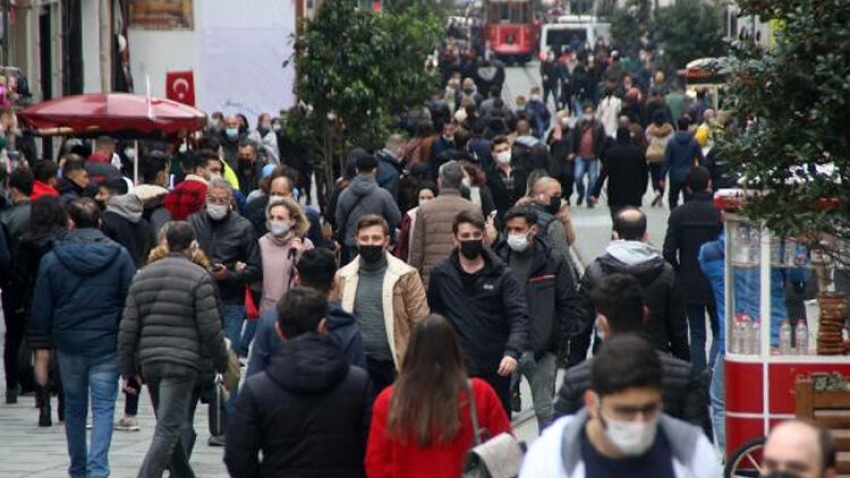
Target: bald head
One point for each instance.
(630, 224)
(545, 185)
(547, 192)
(800, 448)
(281, 186)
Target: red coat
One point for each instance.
(186, 199)
(389, 458)
(40, 189)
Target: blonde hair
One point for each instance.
(296, 213)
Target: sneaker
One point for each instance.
(579, 201)
(216, 441)
(516, 401)
(127, 424)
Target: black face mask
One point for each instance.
(554, 205)
(370, 254)
(471, 249)
(781, 474)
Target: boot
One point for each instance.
(44, 419)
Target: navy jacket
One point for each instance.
(489, 312)
(682, 154)
(343, 331)
(79, 295)
(308, 414)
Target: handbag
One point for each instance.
(497, 457)
(251, 310)
(230, 377)
(216, 414)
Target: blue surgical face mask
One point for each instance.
(231, 132)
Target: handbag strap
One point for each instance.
(473, 414)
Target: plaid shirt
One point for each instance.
(186, 199)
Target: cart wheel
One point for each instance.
(746, 460)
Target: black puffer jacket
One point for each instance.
(227, 242)
(308, 414)
(682, 393)
(555, 308)
(489, 313)
(667, 323)
(172, 315)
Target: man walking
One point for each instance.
(386, 297)
(485, 303)
(171, 322)
(554, 307)
(79, 295)
(432, 239)
(587, 143)
(690, 226)
(682, 154)
(629, 253)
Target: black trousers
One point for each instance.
(382, 373)
(502, 386)
(11, 346)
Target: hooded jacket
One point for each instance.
(79, 295)
(308, 414)
(490, 314)
(153, 199)
(682, 154)
(342, 330)
(666, 325)
(364, 196)
(124, 224)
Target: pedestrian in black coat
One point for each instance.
(308, 413)
(624, 166)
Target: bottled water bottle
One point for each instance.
(785, 338)
(802, 337)
(754, 339)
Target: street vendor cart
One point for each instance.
(768, 352)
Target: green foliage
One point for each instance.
(629, 24)
(688, 30)
(356, 71)
(796, 97)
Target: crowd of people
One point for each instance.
(433, 278)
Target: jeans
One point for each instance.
(717, 395)
(234, 318)
(172, 395)
(550, 90)
(540, 374)
(381, 372)
(675, 189)
(589, 166)
(80, 376)
(696, 325)
(655, 172)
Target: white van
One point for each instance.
(571, 30)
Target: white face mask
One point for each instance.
(217, 211)
(504, 157)
(279, 228)
(518, 242)
(130, 153)
(183, 148)
(631, 438)
(424, 200)
(466, 183)
(273, 198)
(215, 176)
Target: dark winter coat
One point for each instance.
(172, 316)
(342, 330)
(364, 196)
(389, 173)
(227, 242)
(624, 166)
(79, 295)
(489, 313)
(599, 137)
(555, 308)
(308, 414)
(689, 227)
(667, 324)
(682, 154)
(123, 223)
(682, 393)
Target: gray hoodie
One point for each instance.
(361, 197)
(128, 206)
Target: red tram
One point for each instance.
(510, 29)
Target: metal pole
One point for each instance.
(136, 163)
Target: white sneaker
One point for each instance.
(127, 424)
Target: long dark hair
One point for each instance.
(425, 398)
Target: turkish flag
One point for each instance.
(180, 87)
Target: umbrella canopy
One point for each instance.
(114, 114)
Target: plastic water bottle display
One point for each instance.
(742, 243)
(754, 338)
(785, 338)
(802, 338)
(754, 245)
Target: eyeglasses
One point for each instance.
(628, 412)
(219, 201)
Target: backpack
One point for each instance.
(656, 148)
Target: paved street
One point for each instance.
(33, 452)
